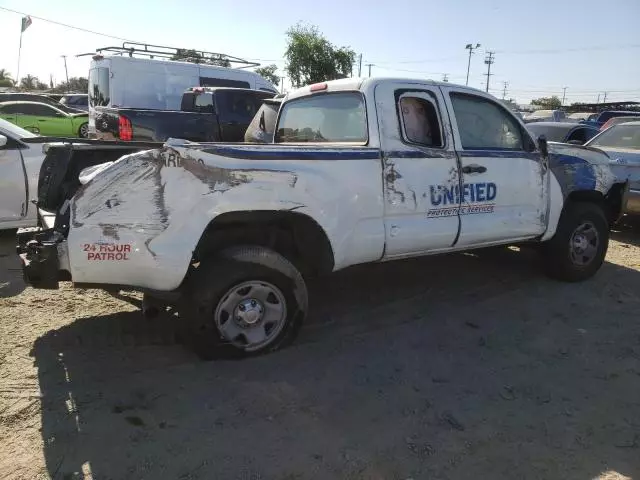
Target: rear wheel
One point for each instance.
(577, 250)
(243, 301)
(83, 131)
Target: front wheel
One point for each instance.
(83, 131)
(244, 301)
(577, 250)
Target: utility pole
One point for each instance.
(66, 71)
(369, 65)
(564, 94)
(605, 97)
(282, 84)
(598, 101)
(489, 60)
(360, 66)
(471, 48)
(445, 77)
(504, 90)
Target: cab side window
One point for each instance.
(419, 120)
(484, 125)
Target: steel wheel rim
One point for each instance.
(84, 130)
(583, 244)
(251, 315)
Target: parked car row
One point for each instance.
(44, 119)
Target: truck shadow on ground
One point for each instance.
(627, 230)
(465, 366)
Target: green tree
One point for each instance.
(75, 85)
(548, 102)
(6, 80)
(192, 56)
(187, 55)
(28, 82)
(311, 58)
(269, 73)
(219, 61)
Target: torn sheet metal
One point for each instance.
(157, 204)
(579, 168)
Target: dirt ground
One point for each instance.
(470, 366)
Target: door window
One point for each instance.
(419, 120)
(9, 109)
(483, 124)
(42, 111)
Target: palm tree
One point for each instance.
(28, 82)
(5, 78)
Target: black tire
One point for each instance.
(83, 131)
(562, 261)
(208, 290)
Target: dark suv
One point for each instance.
(76, 100)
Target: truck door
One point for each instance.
(12, 181)
(503, 178)
(420, 169)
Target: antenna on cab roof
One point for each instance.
(172, 53)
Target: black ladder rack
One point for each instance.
(168, 53)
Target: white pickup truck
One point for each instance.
(359, 171)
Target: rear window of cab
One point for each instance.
(324, 118)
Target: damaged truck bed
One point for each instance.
(359, 171)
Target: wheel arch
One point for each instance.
(294, 235)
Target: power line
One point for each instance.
(562, 50)
(69, 26)
(514, 52)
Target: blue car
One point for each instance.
(602, 118)
(563, 132)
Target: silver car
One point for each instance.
(622, 143)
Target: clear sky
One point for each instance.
(589, 46)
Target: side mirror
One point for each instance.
(3, 140)
(543, 146)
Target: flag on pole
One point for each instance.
(26, 21)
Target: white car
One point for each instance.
(19, 168)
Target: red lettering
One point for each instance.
(86, 247)
(110, 256)
(119, 256)
(103, 248)
(90, 256)
(127, 248)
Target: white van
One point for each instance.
(145, 83)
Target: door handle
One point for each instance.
(474, 168)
